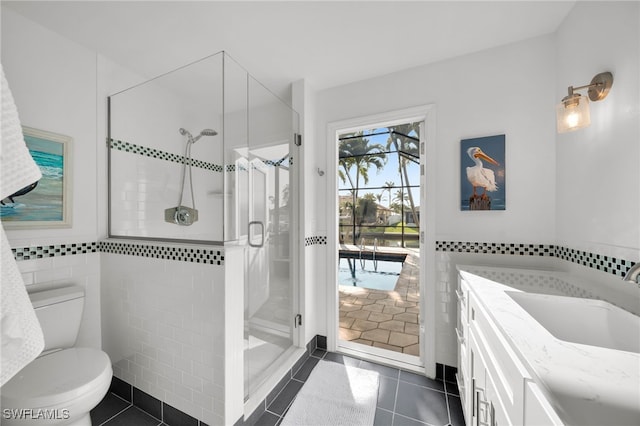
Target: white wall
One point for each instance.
(598, 178)
(53, 82)
(304, 103)
(502, 90)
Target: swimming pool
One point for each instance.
(385, 278)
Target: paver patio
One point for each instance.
(384, 319)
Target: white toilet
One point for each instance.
(64, 383)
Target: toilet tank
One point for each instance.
(59, 311)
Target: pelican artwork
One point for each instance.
(479, 176)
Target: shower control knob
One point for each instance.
(185, 216)
(181, 215)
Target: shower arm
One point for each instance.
(187, 162)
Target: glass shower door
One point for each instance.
(270, 293)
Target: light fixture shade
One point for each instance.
(572, 113)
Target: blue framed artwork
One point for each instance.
(46, 203)
(482, 173)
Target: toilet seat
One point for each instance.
(58, 378)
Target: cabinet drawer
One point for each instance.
(503, 366)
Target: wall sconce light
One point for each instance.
(572, 113)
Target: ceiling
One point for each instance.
(328, 43)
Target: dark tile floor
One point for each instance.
(404, 399)
(115, 411)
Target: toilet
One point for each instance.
(64, 383)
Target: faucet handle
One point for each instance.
(633, 273)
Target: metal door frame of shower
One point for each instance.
(424, 114)
(292, 354)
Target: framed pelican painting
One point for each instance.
(482, 173)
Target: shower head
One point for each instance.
(205, 132)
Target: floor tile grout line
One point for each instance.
(446, 397)
(412, 418)
(395, 399)
(119, 412)
(424, 387)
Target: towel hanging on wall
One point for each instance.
(20, 331)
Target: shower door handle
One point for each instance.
(261, 244)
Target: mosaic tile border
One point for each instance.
(612, 265)
(183, 254)
(496, 248)
(608, 264)
(41, 252)
(175, 158)
(279, 163)
(161, 155)
(315, 240)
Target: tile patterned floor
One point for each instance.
(404, 398)
(116, 411)
(385, 319)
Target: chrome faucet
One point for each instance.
(633, 273)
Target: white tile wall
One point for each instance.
(144, 187)
(163, 323)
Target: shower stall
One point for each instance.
(203, 158)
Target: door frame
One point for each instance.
(426, 115)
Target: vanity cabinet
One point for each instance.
(539, 411)
(495, 387)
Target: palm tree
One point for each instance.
(407, 147)
(355, 150)
(388, 186)
(400, 196)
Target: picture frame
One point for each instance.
(482, 173)
(49, 204)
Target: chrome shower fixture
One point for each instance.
(205, 132)
(183, 215)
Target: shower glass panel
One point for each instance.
(153, 126)
(205, 154)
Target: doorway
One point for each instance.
(379, 290)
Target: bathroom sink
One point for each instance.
(583, 321)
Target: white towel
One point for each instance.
(20, 331)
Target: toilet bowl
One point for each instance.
(63, 385)
(59, 388)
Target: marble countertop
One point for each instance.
(585, 384)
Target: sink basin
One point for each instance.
(583, 321)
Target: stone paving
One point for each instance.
(384, 319)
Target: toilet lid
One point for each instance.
(57, 378)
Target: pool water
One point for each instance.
(384, 278)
